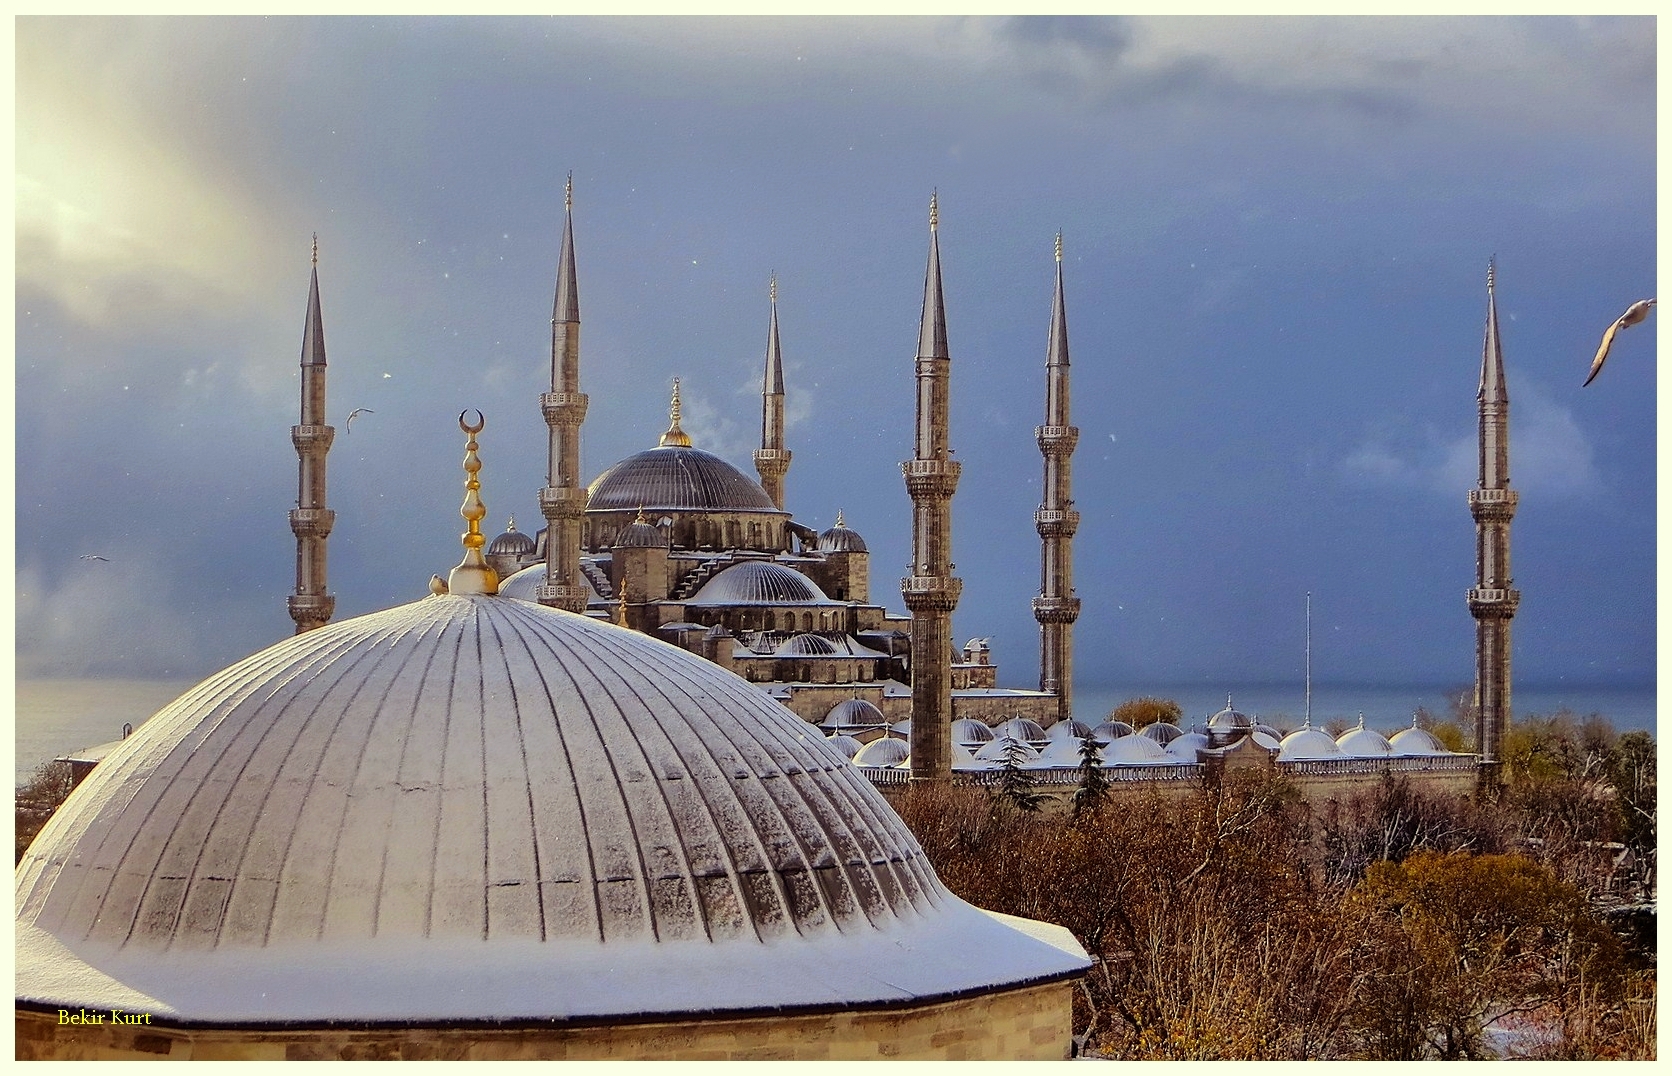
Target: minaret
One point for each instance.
(931, 590)
(772, 459)
(1492, 600)
(563, 500)
(1057, 608)
(310, 520)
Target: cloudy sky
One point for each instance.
(1276, 240)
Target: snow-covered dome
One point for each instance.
(472, 808)
(845, 744)
(1269, 742)
(1230, 719)
(884, 752)
(513, 543)
(524, 583)
(1064, 751)
(964, 759)
(967, 730)
(901, 728)
(1361, 742)
(1022, 728)
(853, 713)
(1306, 744)
(759, 582)
(1134, 750)
(1415, 741)
(1162, 732)
(1185, 745)
(1113, 730)
(1068, 730)
(999, 747)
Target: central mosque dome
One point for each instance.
(672, 477)
(471, 807)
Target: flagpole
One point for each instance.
(1309, 659)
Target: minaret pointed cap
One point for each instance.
(1056, 352)
(931, 334)
(1492, 385)
(313, 332)
(567, 305)
(773, 383)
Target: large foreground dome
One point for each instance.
(477, 808)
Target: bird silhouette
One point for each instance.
(1635, 313)
(348, 425)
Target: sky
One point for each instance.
(1275, 232)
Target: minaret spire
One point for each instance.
(931, 591)
(310, 521)
(1057, 608)
(1492, 600)
(563, 500)
(772, 459)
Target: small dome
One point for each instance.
(1113, 730)
(1135, 750)
(963, 759)
(513, 543)
(523, 584)
(1185, 745)
(1415, 741)
(1063, 752)
(1069, 730)
(967, 730)
(1363, 743)
(1230, 719)
(845, 744)
(839, 539)
(639, 534)
(1162, 732)
(808, 646)
(884, 752)
(759, 582)
(901, 728)
(1270, 743)
(1306, 744)
(1267, 730)
(675, 478)
(1023, 728)
(853, 713)
(999, 747)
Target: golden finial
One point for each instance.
(934, 209)
(621, 606)
(839, 522)
(772, 288)
(569, 193)
(640, 517)
(675, 437)
(472, 574)
(1059, 244)
(316, 250)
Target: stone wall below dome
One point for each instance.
(707, 529)
(1030, 1024)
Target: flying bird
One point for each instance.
(1635, 313)
(94, 556)
(348, 426)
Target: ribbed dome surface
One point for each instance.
(967, 730)
(1162, 732)
(1308, 744)
(853, 712)
(1415, 741)
(759, 582)
(840, 539)
(676, 478)
(523, 584)
(463, 807)
(1361, 742)
(808, 646)
(512, 543)
(637, 535)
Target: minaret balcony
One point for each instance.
(1057, 440)
(311, 608)
(560, 502)
(1056, 610)
(311, 522)
(563, 408)
(1493, 504)
(931, 593)
(1493, 602)
(772, 461)
(931, 478)
(312, 437)
(1056, 523)
(563, 596)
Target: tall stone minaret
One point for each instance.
(1492, 600)
(310, 520)
(1057, 608)
(772, 459)
(563, 500)
(931, 590)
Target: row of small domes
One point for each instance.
(641, 534)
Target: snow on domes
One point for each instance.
(1023, 728)
(1185, 745)
(1062, 752)
(1162, 732)
(1113, 730)
(1230, 719)
(1415, 741)
(523, 584)
(967, 730)
(845, 744)
(472, 808)
(852, 713)
(999, 748)
(1361, 742)
(759, 582)
(676, 478)
(884, 752)
(1306, 744)
(1135, 750)
(1068, 730)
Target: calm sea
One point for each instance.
(59, 716)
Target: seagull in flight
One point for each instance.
(1635, 313)
(94, 556)
(348, 425)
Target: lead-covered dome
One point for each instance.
(759, 582)
(676, 478)
(841, 539)
(512, 543)
(473, 808)
(1307, 744)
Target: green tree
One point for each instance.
(1094, 783)
(1014, 787)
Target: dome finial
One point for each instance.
(511, 525)
(1361, 719)
(472, 575)
(640, 517)
(839, 520)
(675, 437)
(621, 606)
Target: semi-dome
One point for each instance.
(673, 478)
(840, 539)
(513, 543)
(1415, 741)
(883, 752)
(759, 582)
(1307, 744)
(475, 809)
(1361, 742)
(1162, 732)
(852, 713)
(967, 730)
